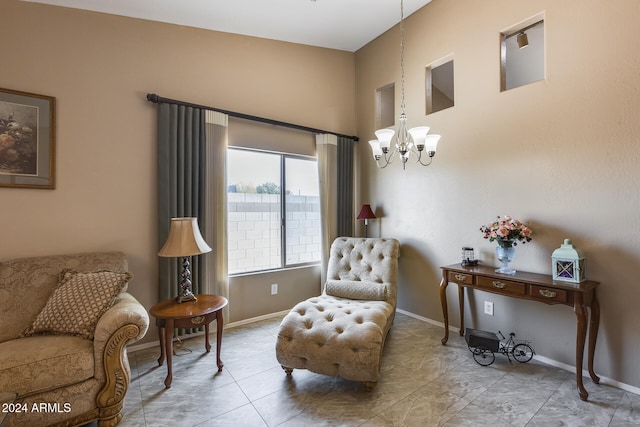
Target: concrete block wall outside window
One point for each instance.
(254, 231)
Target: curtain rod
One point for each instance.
(158, 99)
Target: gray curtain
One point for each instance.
(345, 186)
(181, 190)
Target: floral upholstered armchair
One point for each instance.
(66, 321)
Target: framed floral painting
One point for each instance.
(27, 140)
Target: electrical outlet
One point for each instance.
(488, 308)
(274, 289)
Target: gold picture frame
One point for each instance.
(27, 140)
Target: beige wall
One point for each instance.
(100, 68)
(561, 153)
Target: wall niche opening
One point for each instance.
(385, 106)
(439, 85)
(522, 54)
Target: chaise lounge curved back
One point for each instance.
(342, 332)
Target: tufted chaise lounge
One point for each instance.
(342, 332)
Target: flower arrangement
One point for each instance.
(18, 147)
(507, 231)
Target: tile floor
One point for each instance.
(423, 383)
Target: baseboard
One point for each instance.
(257, 319)
(585, 373)
(143, 346)
(426, 319)
(546, 360)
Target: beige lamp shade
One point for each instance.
(184, 239)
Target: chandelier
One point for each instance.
(408, 141)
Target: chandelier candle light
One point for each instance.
(507, 232)
(414, 140)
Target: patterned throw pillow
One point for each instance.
(356, 290)
(78, 302)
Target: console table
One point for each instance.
(535, 287)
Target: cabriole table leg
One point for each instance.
(219, 324)
(581, 335)
(443, 301)
(594, 324)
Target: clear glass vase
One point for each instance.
(505, 251)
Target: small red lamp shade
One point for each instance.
(366, 213)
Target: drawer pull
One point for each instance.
(498, 285)
(547, 293)
(460, 277)
(197, 320)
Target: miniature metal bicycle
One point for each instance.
(484, 344)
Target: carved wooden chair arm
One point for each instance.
(125, 322)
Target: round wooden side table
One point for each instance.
(170, 314)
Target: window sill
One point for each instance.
(275, 270)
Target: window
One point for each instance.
(259, 238)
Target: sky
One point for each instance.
(255, 168)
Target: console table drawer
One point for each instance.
(548, 295)
(502, 286)
(465, 279)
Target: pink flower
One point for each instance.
(506, 228)
(503, 231)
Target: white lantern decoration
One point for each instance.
(567, 263)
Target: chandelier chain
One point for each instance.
(402, 56)
(408, 142)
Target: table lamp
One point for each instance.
(184, 240)
(366, 213)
